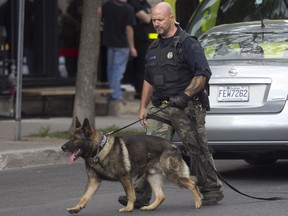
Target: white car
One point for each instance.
(248, 90)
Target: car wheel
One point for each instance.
(260, 161)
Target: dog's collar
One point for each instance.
(103, 141)
(100, 147)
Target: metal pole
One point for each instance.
(19, 68)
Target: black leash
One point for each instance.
(247, 195)
(115, 131)
(218, 174)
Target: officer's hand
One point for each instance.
(180, 101)
(143, 113)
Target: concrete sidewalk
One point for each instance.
(44, 151)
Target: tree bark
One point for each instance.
(84, 103)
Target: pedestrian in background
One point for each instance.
(70, 35)
(134, 73)
(118, 37)
(177, 72)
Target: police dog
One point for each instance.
(115, 158)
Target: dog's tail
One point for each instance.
(172, 159)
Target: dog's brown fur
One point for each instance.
(121, 158)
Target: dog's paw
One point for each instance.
(198, 204)
(147, 208)
(74, 210)
(126, 209)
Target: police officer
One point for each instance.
(177, 72)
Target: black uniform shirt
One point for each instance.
(190, 52)
(116, 16)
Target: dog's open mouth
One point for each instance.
(74, 156)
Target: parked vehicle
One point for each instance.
(216, 12)
(248, 90)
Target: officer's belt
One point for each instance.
(166, 100)
(160, 119)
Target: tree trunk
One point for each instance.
(84, 103)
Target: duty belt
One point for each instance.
(166, 101)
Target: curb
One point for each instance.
(31, 158)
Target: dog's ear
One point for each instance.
(78, 124)
(86, 127)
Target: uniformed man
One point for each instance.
(177, 72)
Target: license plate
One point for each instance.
(233, 93)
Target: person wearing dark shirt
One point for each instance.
(134, 73)
(70, 35)
(118, 37)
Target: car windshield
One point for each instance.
(219, 46)
(216, 12)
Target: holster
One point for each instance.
(204, 99)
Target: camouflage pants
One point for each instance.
(182, 125)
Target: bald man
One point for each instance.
(177, 72)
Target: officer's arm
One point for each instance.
(196, 85)
(196, 60)
(147, 91)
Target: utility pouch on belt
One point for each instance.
(156, 101)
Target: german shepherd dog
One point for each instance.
(115, 158)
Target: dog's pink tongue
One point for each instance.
(70, 159)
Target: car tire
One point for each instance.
(261, 161)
